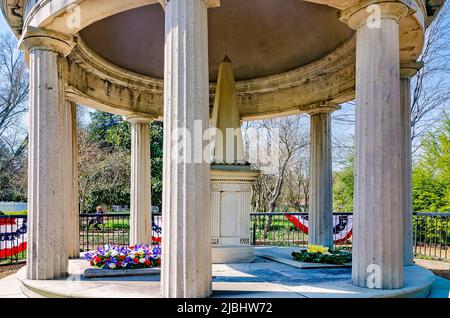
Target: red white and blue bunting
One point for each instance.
(342, 226)
(13, 237)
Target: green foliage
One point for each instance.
(434, 230)
(109, 130)
(13, 169)
(431, 175)
(337, 257)
(17, 213)
(112, 137)
(156, 149)
(343, 188)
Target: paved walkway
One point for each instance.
(262, 279)
(10, 287)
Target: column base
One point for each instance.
(233, 254)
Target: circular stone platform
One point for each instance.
(260, 279)
(233, 254)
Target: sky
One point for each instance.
(3, 26)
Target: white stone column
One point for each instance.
(379, 194)
(141, 202)
(47, 254)
(407, 71)
(73, 214)
(320, 230)
(186, 250)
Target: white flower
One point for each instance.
(114, 253)
(131, 256)
(124, 264)
(112, 265)
(142, 260)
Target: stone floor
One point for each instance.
(10, 287)
(262, 279)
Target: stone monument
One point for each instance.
(231, 177)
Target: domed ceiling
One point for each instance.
(262, 37)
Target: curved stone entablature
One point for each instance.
(329, 80)
(95, 82)
(412, 26)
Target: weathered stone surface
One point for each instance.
(186, 251)
(330, 78)
(229, 147)
(141, 203)
(95, 272)
(71, 164)
(378, 203)
(261, 279)
(233, 254)
(407, 71)
(321, 185)
(93, 81)
(230, 211)
(47, 256)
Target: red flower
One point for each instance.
(135, 261)
(159, 261)
(119, 263)
(97, 259)
(147, 262)
(92, 263)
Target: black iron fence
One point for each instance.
(13, 239)
(291, 229)
(112, 228)
(431, 232)
(432, 235)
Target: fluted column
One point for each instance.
(379, 194)
(320, 230)
(47, 254)
(141, 203)
(186, 250)
(215, 213)
(407, 71)
(73, 219)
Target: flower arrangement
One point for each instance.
(321, 254)
(119, 258)
(318, 249)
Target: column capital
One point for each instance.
(209, 3)
(366, 11)
(138, 119)
(47, 40)
(410, 69)
(323, 108)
